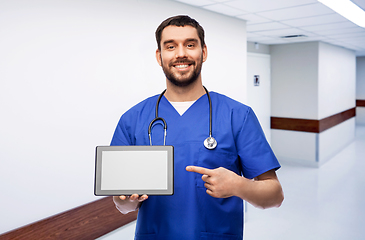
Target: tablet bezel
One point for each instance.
(98, 170)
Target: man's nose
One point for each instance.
(180, 52)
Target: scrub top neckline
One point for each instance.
(182, 107)
(187, 110)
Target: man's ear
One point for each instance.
(205, 53)
(158, 57)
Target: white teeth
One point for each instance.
(182, 66)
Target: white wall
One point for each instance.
(294, 94)
(336, 93)
(69, 69)
(258, 48)
(336, 80)
(295, 147)
(312, 80)
(312, 149)
(333, 140)
(294, 80)
(259, 97)
(360, 89)
(360, 78)
(360, 115)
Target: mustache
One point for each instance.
(182, 62)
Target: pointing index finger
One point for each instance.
(200, 170)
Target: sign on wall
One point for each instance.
(256, 80)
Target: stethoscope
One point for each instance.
(209, 142)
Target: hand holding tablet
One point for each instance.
(126, 204)
(134, 197)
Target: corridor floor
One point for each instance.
(320, 203)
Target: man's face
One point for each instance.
(181, 55)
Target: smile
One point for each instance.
(182, 66)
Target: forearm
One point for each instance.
(264, 193)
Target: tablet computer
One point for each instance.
(125, 170)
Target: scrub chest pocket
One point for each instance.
(216, 158)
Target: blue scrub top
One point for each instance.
(242, 148)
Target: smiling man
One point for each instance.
(181, 58)
(210, 182)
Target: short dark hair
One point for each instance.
(180, 21)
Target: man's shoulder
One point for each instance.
(141, 109)
(146, 103)
(229, 102)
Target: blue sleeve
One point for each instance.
(121, 136)
(255, 152)
(132, 122)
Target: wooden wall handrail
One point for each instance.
(310, 125)
(360, 103)
(88, 221)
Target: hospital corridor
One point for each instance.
(102, 100)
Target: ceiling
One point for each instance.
(268, 21)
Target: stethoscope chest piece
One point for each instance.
(210, 143)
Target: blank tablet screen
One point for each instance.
(125, 170)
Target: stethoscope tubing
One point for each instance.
(157, 118)
(210, 145)
(210, 112)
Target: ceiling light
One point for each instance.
(347, 9)
(294, 36)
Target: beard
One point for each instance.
(183, 79)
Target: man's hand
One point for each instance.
(126, 204)
(134, 197)
(219, 182)
(264, 191)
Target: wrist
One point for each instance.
(241, 186)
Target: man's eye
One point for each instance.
(190, 45)
(170, 47)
